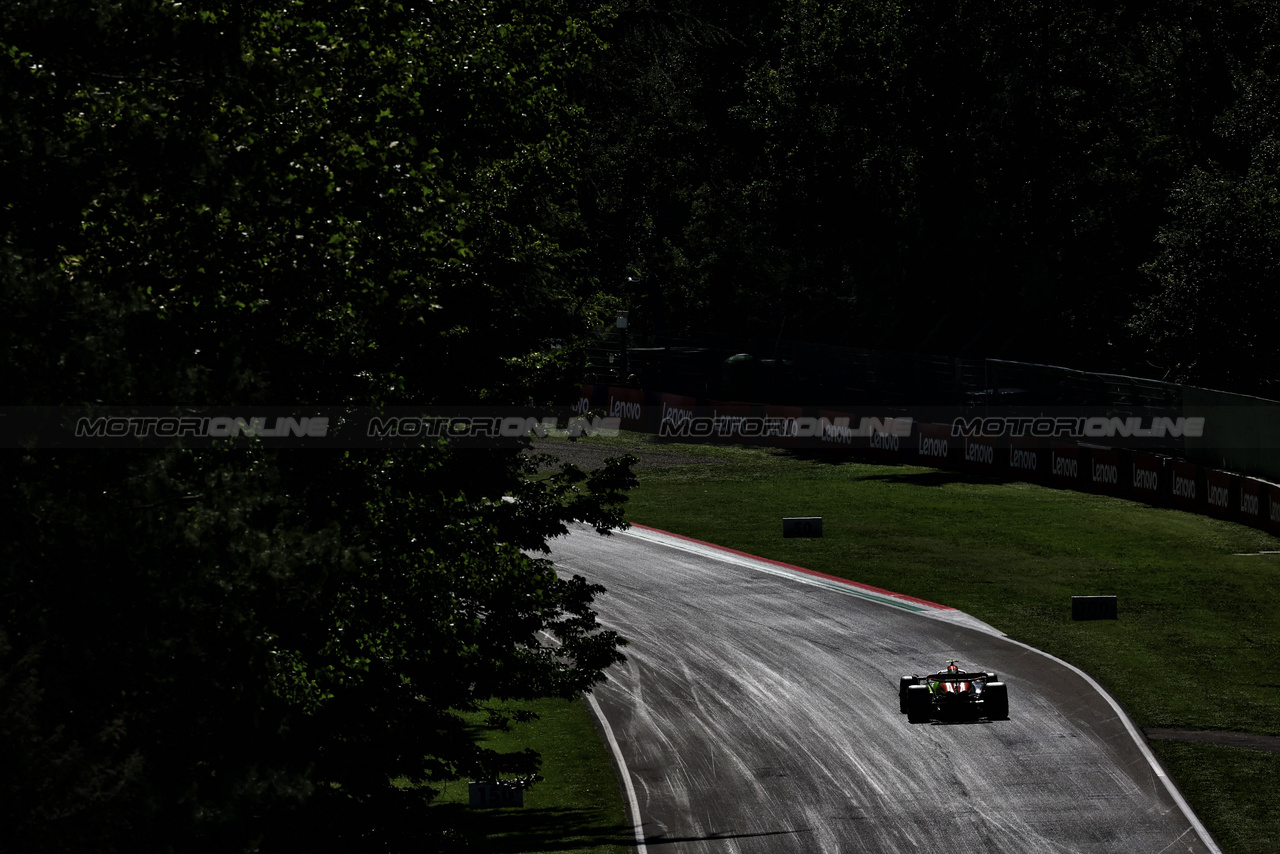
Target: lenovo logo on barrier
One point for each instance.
(838, 433)
(674, 415)
(979, 453)
(1249, 504)
(624, 409)
(783, 426)
(931, 447)
(1145, 479)
(1218, 496)
(1105, 473)
(884, 441)
(1184, 487)
(1065, 466)
(1025, 460)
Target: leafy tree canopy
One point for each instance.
(1006, 179)
(278, 203)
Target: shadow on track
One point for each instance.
(521, 829)
(661, 839)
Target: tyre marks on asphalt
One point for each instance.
(759, 715)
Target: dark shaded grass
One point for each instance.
(577, 806)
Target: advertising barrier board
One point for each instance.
(1186, 490)
(888, 445)
(1027, 459)
(980, 456)
(733, 421)
(835, 432)
(1146, 478)
(781, 428)
(1273, 509)
(933, 445)
(1249, 504)
(1104, 471)
(1064, 466)
(1220, 489)
(628, 405)
(676, 410)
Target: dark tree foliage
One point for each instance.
(1213, 304)
(663, 145)
(989, 179)
(1214, 312)
(277, 203)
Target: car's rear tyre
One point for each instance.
(904, 683)
(996, 701)
(919, 704)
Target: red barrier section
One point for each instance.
(586, 399)
(627, 404)
(676, 409)
(780, 426)
(1064, 466)
(1026, 459)
(1249, 506)
(1218, 489)
(882, 438)
(1184, 488)
(980, 456)
(1104, 471)
(1145, 478)
(887, 446)
(933, 445)
(836, 430)
(732, 419)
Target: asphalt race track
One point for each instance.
(758, 713)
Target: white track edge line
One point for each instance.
(1141, 742)
(632, 803)
(1145, 749)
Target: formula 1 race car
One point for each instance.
(953, 694)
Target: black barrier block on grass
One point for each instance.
(1093, 608)
(802, 526)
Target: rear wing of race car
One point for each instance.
(956, 677)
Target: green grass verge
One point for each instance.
(1234, 792)
(1197, 641)
(577, 806)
